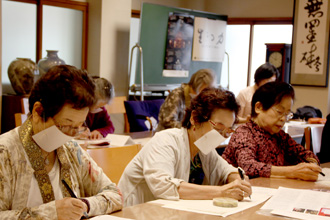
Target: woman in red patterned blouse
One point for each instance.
(262, 148)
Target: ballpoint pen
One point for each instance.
(241, 174)
(73, 195)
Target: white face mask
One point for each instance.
(51, 138)
(209, 141)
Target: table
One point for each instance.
(151, 211)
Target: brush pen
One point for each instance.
(73, 195)
(241, 174)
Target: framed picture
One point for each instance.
(310, 45)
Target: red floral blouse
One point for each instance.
(256, 150)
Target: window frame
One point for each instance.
(257, 21)
(81, 6)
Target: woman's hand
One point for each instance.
(95, 135)
(70, 209)
(304, 171)
(85, 135)
(236, 189)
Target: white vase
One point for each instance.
(49, 61)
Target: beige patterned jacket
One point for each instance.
(88, 181)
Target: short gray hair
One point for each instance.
(202, 76)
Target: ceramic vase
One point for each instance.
(51, 60)
(22, 73)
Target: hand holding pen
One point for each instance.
(241, 174)
(76, 203)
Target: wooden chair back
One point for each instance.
(20, 118)
(113, 160)
(313, 138)
(117, 107)
(308, 138)
(25, 105)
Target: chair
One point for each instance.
(25, 105)
(117, 112)
(113, 160)
(324, 153)
(143, 115)
(20, 118)
(312, 138)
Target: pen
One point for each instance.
(73, 195)
(312, 162)
(241, 174)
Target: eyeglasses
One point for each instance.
(221, 128)
(70, 130)
(288, 115)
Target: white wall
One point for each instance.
(108, 40)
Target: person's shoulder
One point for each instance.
(9, 138)
(244, 92)
(170, 132)
(10, 144)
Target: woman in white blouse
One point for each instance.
(172, 166)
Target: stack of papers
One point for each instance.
(299, 203)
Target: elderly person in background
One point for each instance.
(172, 111)
(262, 148)
(98, 120)
(39, 162)
(172, 165)
(264, 74)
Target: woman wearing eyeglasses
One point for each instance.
(41, 167)
(262, 148)
(183, 163)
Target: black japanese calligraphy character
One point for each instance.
(310, 61)
(200, 31)
(313, 7)
(311, 37)
(220, 39)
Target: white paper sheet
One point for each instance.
(119, 140)
(109, 217)
(300, 203)
(259, 195)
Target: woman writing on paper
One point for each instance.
(39, 158)
(262, 148)
(180, 164)
(172, 111)
(98, 120)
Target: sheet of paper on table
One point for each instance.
(259, 195)
(110, 139)
(300, 203)
(109, 217)
(324, 180)
(119, 140)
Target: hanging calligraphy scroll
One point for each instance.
(310, 46)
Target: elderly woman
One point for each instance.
(172, 111)
(40, 164)
(262, 148)
(172, 166)
(264, 74)
(98, 120)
